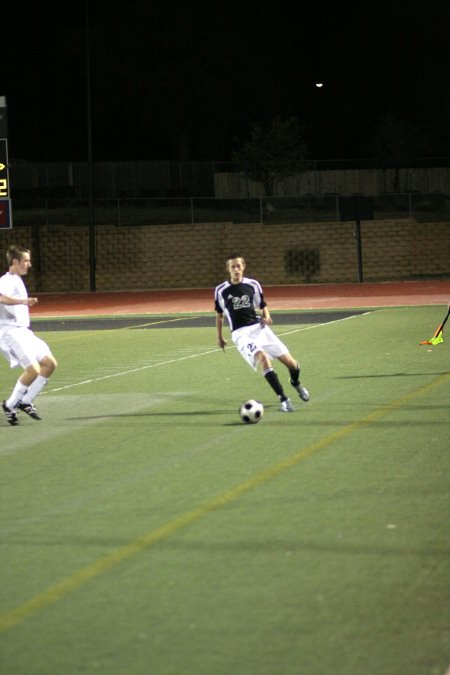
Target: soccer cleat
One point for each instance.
(10, 415)
(29, 409)
(287, 406)
(301, 390)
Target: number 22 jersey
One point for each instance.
(239, 302)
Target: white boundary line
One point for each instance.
(184, 358)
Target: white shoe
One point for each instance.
(301, 391)
(287, 406)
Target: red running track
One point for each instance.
(310, 296)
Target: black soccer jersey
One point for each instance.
(239, 302)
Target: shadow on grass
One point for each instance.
(301, 546)
(363, 377)
(280, 546)
(172, 414)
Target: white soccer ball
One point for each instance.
(251, 411)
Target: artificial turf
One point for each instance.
(145, 529)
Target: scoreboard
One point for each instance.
(5, 200)
(4, 183)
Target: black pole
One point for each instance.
(359, 250)
(91, 222)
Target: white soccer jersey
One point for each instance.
(13, 315)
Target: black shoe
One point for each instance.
(301, 390)
(10, 415)
(29, 409)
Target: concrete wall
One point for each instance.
(192, 256)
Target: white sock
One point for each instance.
(34, 389)
(17, 395)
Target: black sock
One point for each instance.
(295, 375)
(272, 379)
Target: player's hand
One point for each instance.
(31, 301)
(222, 343)
(266, 321)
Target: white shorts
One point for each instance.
(251, 339)
(20, 346)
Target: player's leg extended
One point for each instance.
(28, 376)
(47, 367)
(272, 378)
(294, 370)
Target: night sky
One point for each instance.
(186, 79)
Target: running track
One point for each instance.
(314, 296)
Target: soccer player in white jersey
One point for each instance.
(241, 300)
(18, 344)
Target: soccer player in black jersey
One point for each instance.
(241, 300)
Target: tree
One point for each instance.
(273, 152)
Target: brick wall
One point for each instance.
(192, 256)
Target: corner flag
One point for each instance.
(438, 337)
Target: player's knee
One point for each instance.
(33, 370)
(263, 359)
(48, 365)
(289, 361)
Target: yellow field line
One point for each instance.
(72, 583)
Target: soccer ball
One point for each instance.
(251, 411)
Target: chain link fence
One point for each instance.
(270, 211)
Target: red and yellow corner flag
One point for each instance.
(434, 340)
(438, 337)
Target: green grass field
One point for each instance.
(146, 531)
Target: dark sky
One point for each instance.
(184, 78)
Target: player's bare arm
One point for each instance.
(266, 319)
(6, 300)
(219, 326)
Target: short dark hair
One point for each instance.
(232, 256)
(15, 252)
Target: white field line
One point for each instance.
(28, 436)
(182, 358)
(129, 371)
